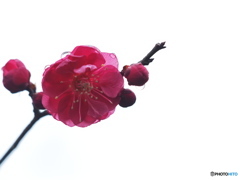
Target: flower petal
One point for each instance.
(93, 55)
(111, 59)
(110, 80)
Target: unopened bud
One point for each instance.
(37, 100)
(136, 74)
(128, 98)
(15, 76)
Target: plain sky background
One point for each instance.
(185, 122)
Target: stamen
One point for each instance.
(56, 97)
(79, 109)
(68, 81)
(102, 95)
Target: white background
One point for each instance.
(185, 122)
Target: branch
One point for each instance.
(37, 115)
(29, 126)
(147, 59)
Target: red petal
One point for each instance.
(79, 111)
(12, 64)
(111, 59)
(92, 54)
(84, 50)
(110, 80)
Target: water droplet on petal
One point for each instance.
(112, 56)
(47, 66)
(65, 53)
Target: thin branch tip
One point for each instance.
(147, 59)
(161, 45)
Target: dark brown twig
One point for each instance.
(29, 126)
(37, 115)
(147, 59)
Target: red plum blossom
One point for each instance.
(83, 87)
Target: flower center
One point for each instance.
(83, 85)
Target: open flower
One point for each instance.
(83, 87)
(15, 76)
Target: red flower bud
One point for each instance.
(37, 100)
(136, 74)
(128, 98)
(15, 76)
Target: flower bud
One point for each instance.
(15, 76)
(128, 98)
(37, 100)
(136, 74)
